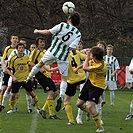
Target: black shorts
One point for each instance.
(16, 86)
(90, 92)
(34, 84)
(5, 79)
(45, 82)
(71, 88)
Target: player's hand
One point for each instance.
(35, 31)
(75, 70)
(14, 79)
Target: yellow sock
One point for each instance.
(12, 103)
(35, 101)
(84, 108)
(1, 97)
(45, 106)
(50, 104)
(16, 101)
(97, 121)
(68, 109)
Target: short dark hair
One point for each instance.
(102, 42)
(75, 18)
(37, 40)
(13, 35)
(20, 44)
(97, 52)
(22, 39)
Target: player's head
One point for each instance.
(74, 18)
(20, 47)
(22, 40)
(80, 45)
(40, 42)
(101, 44)
(109, 49)
(32, 47)
(14, 40)
(97, 53)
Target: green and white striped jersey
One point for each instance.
(64, 37)
(112, 65)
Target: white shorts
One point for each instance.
(10, 81)
(49, 59)
(111, 85)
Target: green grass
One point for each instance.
(22, 122)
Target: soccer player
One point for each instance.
(102, 45)
(20, 70)
(7, 52)
(32, 47)
(44, 79)
(111, 75)
(65, 37)
(95, 84)
(130, 115)
(74, 79)
(7, 92)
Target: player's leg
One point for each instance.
(130, 115)
(63, 68)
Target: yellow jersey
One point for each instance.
(36, 56)
(7, 52)
(97, 73)
(19, 67)
(74, 61)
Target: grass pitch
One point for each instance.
(23, 122)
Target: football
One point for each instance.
(68, 7)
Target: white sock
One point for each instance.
(112, 97)
(131, 108)
(34, 71)
(103, 97)
(6, 96)
(29, 101)
(99, 109)
(79, 115)
(63, 87)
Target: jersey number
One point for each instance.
(73, 62)
(67, 36)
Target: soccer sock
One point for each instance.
(1, 97)
(29, 101)
(63, 87)
(84, 108)
(35, 101)
(12, 103)
(99, 109)
(50, 104)
(45, 106)
(112, 97)
(80, 112)
(103, 96)
(68, 109)
(97, 120)
(16, 101)
(5, 97)
(34, 71)
(131, 108)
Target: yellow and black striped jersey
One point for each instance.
(74, 61)
(7, 52)
(97, 73)
(36, 56)
(19, 67)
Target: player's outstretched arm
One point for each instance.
(46, 32)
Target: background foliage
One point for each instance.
(108, 20)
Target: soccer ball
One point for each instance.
(68, 7)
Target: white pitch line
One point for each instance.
(34, 123)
